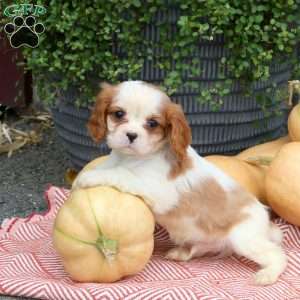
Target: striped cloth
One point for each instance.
(30, 267)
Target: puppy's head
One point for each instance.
(139, 119)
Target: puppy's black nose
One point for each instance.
(131, 136)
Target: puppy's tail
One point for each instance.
(275, 233)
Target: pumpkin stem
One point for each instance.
(108, 247)
(259, 160)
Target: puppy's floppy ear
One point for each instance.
(179, 136)
(97, 125)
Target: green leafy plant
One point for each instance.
(88, 41)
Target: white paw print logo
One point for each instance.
(24, 32)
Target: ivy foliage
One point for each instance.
(88, 41)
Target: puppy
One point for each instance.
(203, 209)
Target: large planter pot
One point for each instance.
(238, 124)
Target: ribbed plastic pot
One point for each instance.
(240, 122)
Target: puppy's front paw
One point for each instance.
(179, 254)
(87, 179)
(78, 183)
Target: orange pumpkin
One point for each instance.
(103, 234)
(248, 176)
(269, 149)
(294, 123)
(283, 183)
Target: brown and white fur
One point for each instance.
(203, 209)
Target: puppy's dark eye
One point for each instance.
(152, 123)
(119, 114)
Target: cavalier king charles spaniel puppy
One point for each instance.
(203, 209)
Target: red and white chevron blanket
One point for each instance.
(30, 267)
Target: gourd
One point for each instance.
(249, 176)
(294, 123)
(283, 183)
(103, 234)
(269, 149)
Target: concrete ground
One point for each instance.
(25, 175)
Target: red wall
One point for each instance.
(10, 73)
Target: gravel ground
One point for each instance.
(26, 174)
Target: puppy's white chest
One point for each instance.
(151, 179)
(159, 194)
